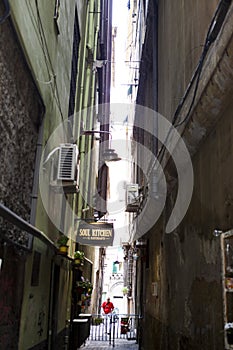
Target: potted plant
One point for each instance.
(89, 287)
(79, 257)
(62, 244)
(125, 290)
(97, 321)
(84, 287)
(229, 332)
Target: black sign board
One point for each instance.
(96, 233)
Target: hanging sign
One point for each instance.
(97, 233)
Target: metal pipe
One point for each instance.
(85, 98)
(90, 180)
(7, 11)
(10, 216)
(35, 186)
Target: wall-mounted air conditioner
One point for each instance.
(67, 162)
(132, 198)
(64, 173)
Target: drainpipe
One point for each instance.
(81, 80)
(154, 179)
(16, 220)
(80, 96)
(104, 97)
(6, 13)
(85, 104)
(90, 182)
(36, 177)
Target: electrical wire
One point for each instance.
(212, 33)
(6, 13)
(46, 82)
(47, 57)
(39, 29)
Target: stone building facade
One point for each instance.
(48, 52)
(21, 114)
(186, 75)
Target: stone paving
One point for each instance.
(120, 344)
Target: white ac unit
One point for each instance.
(67, 162)
(132, 198)
(64, 176)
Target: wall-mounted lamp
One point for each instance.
(136, 254)
(217, 233)
(109, 154)
(141, 243)
(92, 132)
(85, 209)
(96, 216)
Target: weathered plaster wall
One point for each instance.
(11, 279)
(187, 313)
(192, 254)
(49, 58)
(20, 116)
(182, 29)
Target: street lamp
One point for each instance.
(109, 155)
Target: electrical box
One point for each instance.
(132, 198)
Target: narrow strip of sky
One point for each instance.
(120, 20)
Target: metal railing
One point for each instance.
(115, 326)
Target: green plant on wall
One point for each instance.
(79, 257)
(97, 321)
(62, 244)
(62, 240)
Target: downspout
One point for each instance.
(79, 95)
(36, 178)
(16, 220)
(6, 13)
(79, 100)
(80, 85)
(106, 33)
(89, 179)
(95, 53)
(155, 76)
(154, 179)
(90, 9)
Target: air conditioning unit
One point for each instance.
(64, 174)
(132, 198)
(67, 162)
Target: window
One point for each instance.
(35, 269)
(74, 65)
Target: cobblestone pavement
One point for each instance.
(120, 344)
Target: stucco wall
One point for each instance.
(187, 312)
(182, 29)
(20, 116)
(192, 254)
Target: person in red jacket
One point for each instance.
(107, 306)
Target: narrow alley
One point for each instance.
(116, 175)
(120, 345)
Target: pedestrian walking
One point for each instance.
(107, 306)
